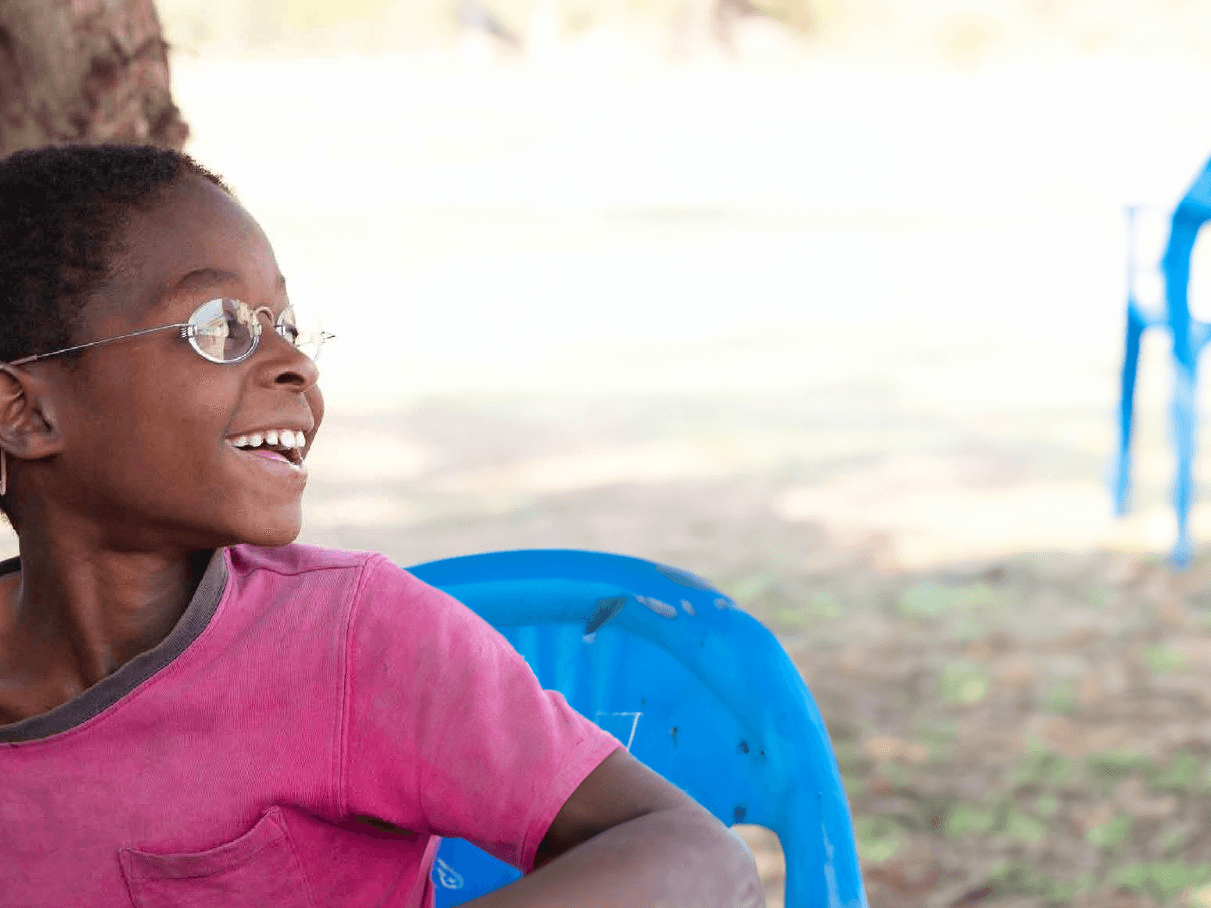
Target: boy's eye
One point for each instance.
(212, 336)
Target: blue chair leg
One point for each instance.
(1184, 427)
(1176, 267)
(1122, 473)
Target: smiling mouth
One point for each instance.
(282, 446)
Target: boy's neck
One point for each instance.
(66, 622)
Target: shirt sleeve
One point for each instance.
(447, 730)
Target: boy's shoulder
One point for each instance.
(296, 558)
(362, 584)
(319, 568)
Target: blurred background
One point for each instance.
(888, 237)
(820, 299)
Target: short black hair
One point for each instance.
(62, 213)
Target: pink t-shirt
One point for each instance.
(303, 691)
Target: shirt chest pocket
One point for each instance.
(258, 869)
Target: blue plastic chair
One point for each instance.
(1189, 337)
(698, 690)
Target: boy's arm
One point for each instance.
(626, 837)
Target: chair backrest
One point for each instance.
(698, 690)
(1191, 213)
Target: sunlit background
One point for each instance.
(911, 213)
(822, 300)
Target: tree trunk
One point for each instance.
(84, 71)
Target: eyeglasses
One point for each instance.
(220, 331)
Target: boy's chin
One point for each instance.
(279, 535)
(275, 539)
(280, 531)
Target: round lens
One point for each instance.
(310, 344)
(287, 325)
(224, 330)
(307, 341)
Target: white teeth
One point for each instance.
(273, 438)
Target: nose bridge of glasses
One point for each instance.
(255, 317)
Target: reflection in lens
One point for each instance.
(242, 329)
(221, 330)
(307, 339)
(287, 326)
(211, 336)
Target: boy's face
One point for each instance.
(147, 424)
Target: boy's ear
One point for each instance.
(28, 427)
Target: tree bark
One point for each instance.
(84, 71)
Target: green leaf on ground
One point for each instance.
(1024, 827)
(1161, 660)
(938, 739)
(1041, 767)
(1047, 805)
(1161, 880)
(1114, 766)
(847, 756)
(965, 819)
(898, 774)
(969, 628)
(824, 605)
(1111, 835)
(1180, 775)
(928, 600)
(1061, 699)
(964, 682)
(878, 838)
(787, 615)
(753, 586)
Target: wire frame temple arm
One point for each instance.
(184, 328)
